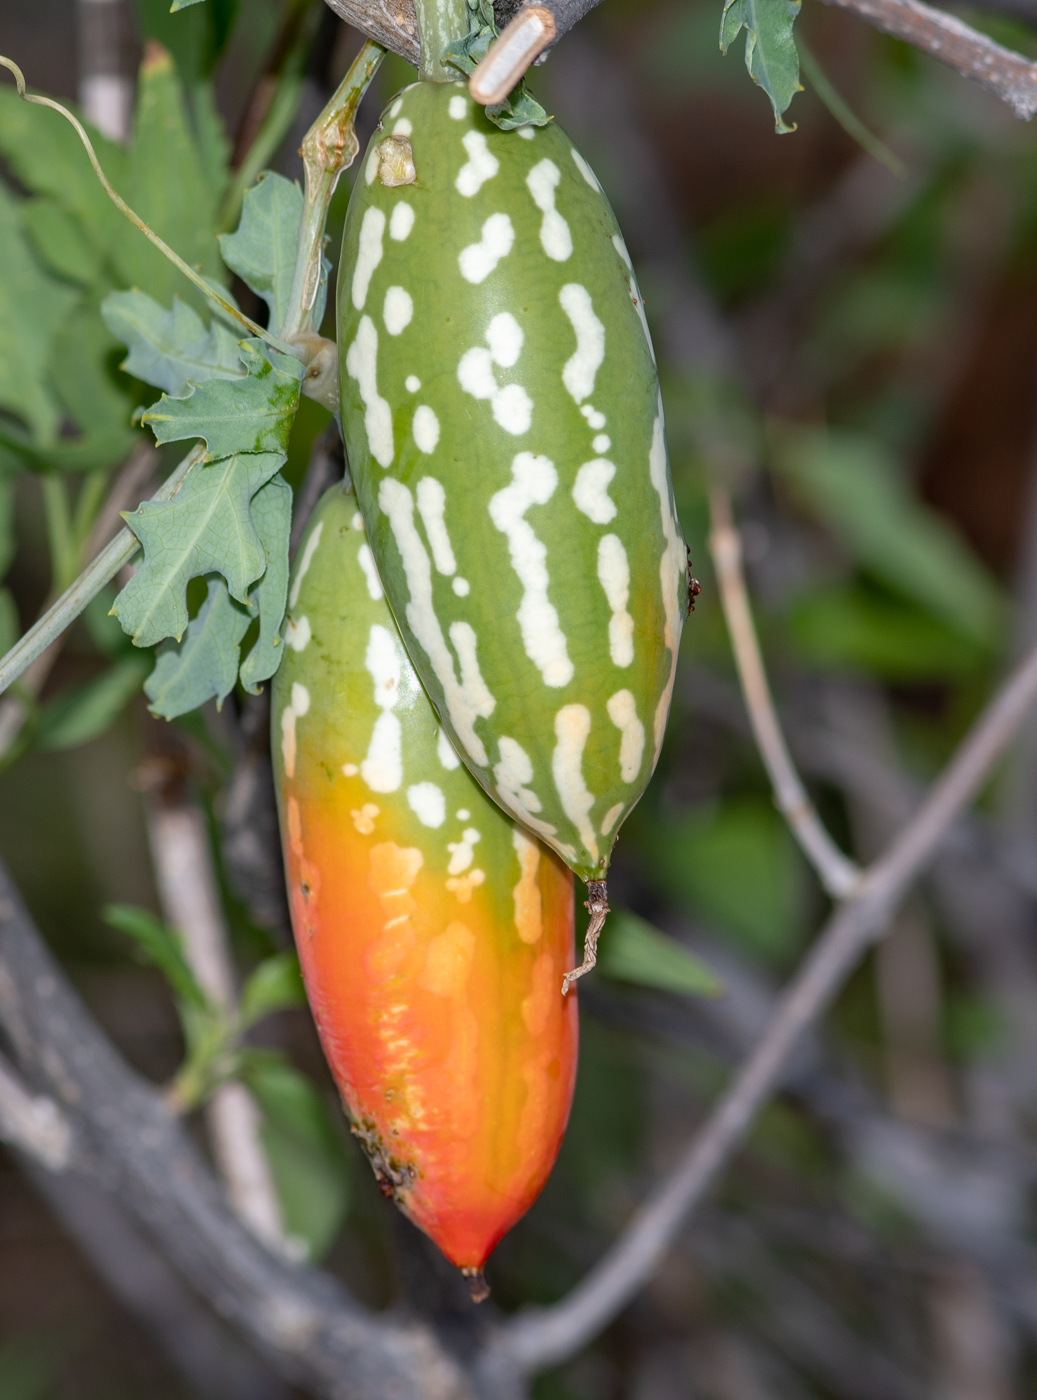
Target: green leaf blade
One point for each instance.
(272, 517)
(161, 946)
(170, 349)
(632, 950)
(262, 251)
(770, 50)
(205, 665)
(101, 406)
(166, 185)
(306, 1157)
(206, 528)
(858, 491)
(61, 241)
(33, 307)
(247, 415)
(85, 713)
(520, 107)
(275, 985)
(45, 154)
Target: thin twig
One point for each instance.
(391, 23)
(330, 148)
(1008, 75)
(89, 583)
(545, 1337)
(839, 875)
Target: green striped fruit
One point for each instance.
(432, 930)
(501, 410)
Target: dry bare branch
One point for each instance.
(393, 23)
(1006, 74)
(213, 1361)
(32, 1123)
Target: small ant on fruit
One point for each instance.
(694, 587)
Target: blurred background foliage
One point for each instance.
(851, 343)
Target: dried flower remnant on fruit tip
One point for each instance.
(597, 906)
(477, 1285)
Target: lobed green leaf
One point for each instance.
(232, 518)
(205, 665)
(80, 370)
(45, 154)
(248, 415)
(263, 248)
(520, 107)
(166, 185)
(61, 242)
(206, 528)
(214, 146)
(770, 50)
(171, 349)
(272, 517)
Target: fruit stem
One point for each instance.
(597, 905)
(440, 22)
